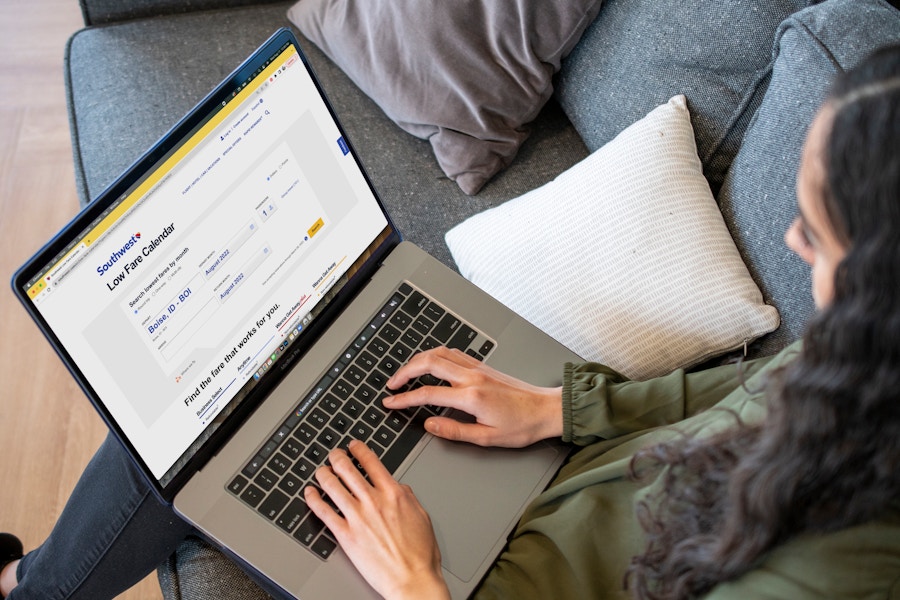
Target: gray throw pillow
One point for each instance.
(468, 76)
(639, 53)
(758, 198)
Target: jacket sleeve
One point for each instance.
(599, 403)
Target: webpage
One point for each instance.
(184, 292)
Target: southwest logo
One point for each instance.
(117, 254)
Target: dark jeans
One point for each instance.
(111, 534)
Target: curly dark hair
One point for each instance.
(827, 455)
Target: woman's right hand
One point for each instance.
(508, 412)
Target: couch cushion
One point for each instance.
(99, 12)
(467, 76)
(758, 198)
(129, 83)
(639, 53)
(624, 257)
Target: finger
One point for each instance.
(325, 513)
(332, 485)
(442, 362)
(437, 395)
(377, 472)
(453, 430)
(347, 472)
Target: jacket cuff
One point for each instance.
(567, 435)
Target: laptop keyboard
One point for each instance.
(346, 404)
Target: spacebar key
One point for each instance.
(403, 445)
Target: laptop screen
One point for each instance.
(183, 293)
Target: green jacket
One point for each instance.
(577, 538)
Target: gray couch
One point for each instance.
(753, 71)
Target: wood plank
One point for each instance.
(48, 430)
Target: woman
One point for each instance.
(780, 480)
(817, 470)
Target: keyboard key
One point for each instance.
(486, 348)
(377, 380)
(353, 409)
(384, 436)
(237, 484)
(405, 289)
(414, 304)
(290, 484)
(292, 448)
(342, 389)
(252, 495)
(446, 327)
(463, 337)
(303, 469)
(305, 433)
(389, 365)
(323, 547)
(376, 448)
(266, 479)
(404, 444)
(292, 515)
(316, 454)
(309, 529)
(355, 375)
(331, 404)
(401, 352)
(401, 320)
(328, 438)
(341, 423)
(361, 431)
(389, 333)
(279, 464)
(365, 361)
(318, 419)
(396, 421)
(378, 347)
(272, 505)
(423, 325)
(434, 312)
(373, 416)
(365, 394)
(411, 338)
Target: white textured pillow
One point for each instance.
(624, 258)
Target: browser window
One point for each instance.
(188, 289)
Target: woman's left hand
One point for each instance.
(382, 527)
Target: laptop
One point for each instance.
(233, 305)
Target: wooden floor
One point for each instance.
(48, 430)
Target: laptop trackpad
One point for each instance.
(474, 495)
